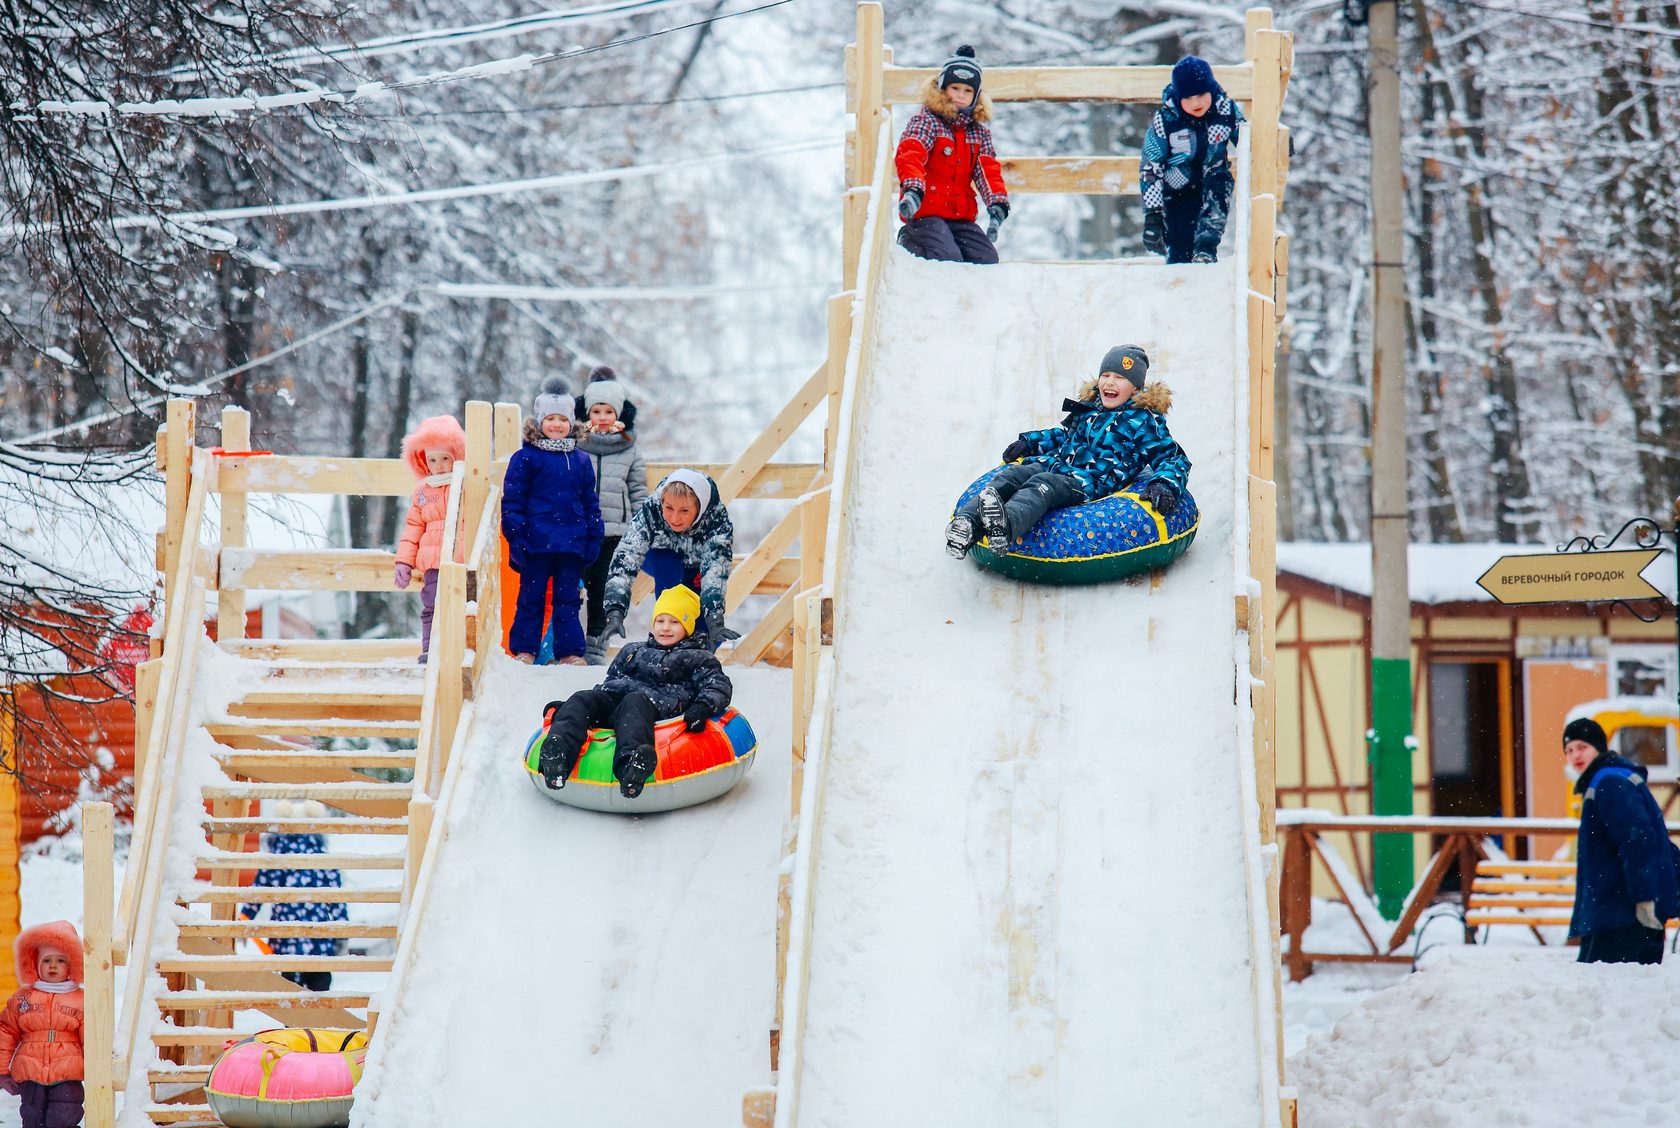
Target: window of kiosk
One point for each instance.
(1646, 671)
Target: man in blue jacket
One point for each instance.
(1626, 882)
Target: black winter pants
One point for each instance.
(51, 1106)
(310, 980)
(1183, 209)
(595, 586)
(1029, 492)
(1632, 943)
(947, 240)
(631, 717)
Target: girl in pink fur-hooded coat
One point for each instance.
(431, 451)
(41, 1027)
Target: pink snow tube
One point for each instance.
(288, 1079)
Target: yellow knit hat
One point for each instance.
(681, 604)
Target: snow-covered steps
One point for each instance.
(251, 760)
(267, 1001)
(260, 895)
(257, 825)
(322, 728)
(288, 929)
(330, 793)
(203, 966)
(381, 704)
(234, 860)
(183, 1115)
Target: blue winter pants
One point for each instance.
(668, 569)
(1631, 943)
(1183, 210)
(51, 1106)
(564, 571)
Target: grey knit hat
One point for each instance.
(552, 400)
(603, 387)
(961, 67)
(1129, 361)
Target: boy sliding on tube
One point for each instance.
(672, 674)
(1114, 437)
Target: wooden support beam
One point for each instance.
(745, 578)
(904, 85)
(745, 468)
(230, 481)
(476, 485)
(177, 447)
(753, 646)
(304, 474)
(774, 480)
(99, 1028)
(871, 107)
(1079, 176)
(344, 569)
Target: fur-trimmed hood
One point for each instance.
(60, 935)
(1156, 397)
(440, 432)
(940, 105)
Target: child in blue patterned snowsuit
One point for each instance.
(551, 517)
(1186, 169)
(301, 879)
(1114, 437)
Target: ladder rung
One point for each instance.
(322, 727)
(292, 699)
(312, 758)
(268, 895)
(1487, 865)
(260, 1000)
(326, 792)
(1513, 901)
(1523, 887)
(169, 1034)
(1481, 918)
(240, 861)
(253, 825)
(185, 1115)
(201, 966)
(178, 1075)
(288, 929)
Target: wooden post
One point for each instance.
(231, 475)
(477, 484)
(451, 604)
(177, 461)
(421, 808)
(854, 218)
(839, 344)
(813, 530)
(99, 1028)
(871, 109)
(509, 419)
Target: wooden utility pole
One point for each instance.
(1391, 609)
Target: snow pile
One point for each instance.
(1031, 904)
(1492, 1037)
(603, 969)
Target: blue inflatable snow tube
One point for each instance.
(1107, 539)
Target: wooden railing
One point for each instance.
(1464, 842)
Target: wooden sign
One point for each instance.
(1571, 577)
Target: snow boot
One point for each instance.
(993, 520)
(595, 651)
(960, 535)
(555, 761)
(638, 769)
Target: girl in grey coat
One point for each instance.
(621, 481)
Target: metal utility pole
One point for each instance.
(1391, 607)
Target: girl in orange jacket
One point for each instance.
(41, 1027)
(431, 451)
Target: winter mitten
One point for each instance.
(695, 717)
(595, 652)
(960, 535)
(402, 574)
(1646, 913)
(719, 634)
(1020, 448)
(1202, 256)
(993, 520)
(9, 1085)
(997, 212)
(909, 204)
(615, 626)
(1160, 497)
(1155, 231)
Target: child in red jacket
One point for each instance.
(944, 157)
(431, 451)
(41, 1027)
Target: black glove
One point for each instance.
(695, 717)
(998, 212)
(1020, 448)
(1160, 497)
(615, 626)
(1155, 232)
(719, 634)
(909, 204)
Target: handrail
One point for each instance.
(452, 514)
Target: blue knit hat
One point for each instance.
(1192, 76)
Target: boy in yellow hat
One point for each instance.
(672, 674)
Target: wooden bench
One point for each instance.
(1532, 894)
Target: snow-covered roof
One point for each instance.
(1438, 573)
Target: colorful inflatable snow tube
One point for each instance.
(287, 1079)
(1107, 539)
(694, 767)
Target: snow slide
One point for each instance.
(1037, 889)
(581, 968)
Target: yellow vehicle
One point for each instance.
(1642, 722)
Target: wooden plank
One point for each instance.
(1080, 176)
(187, 1115)
(480, 454)
(230, 481)
(199, 966)
(342, 652)
(303, 474)
(1262, 233)
(872, 109)
(260, 1000)
(1477, 919)
(257, 825)
(788, 420)
(1512, 901)
(266, 895)
(243, 762)
(1500, 866)
(420, 811)
(776, 623)
(323, 727)
(1566, 887)
(181, 423)
(345, 569)
(291, 929)
(746, 576)
(325, 792)
(782, 481)
(237, 860)
(904, 85)
(99, 1025)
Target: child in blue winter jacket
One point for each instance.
(1114, 437)
(309, 911)
(551, 518)
(1186, 169)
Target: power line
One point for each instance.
(1575, 21)
(640, 103)
(268, 103)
